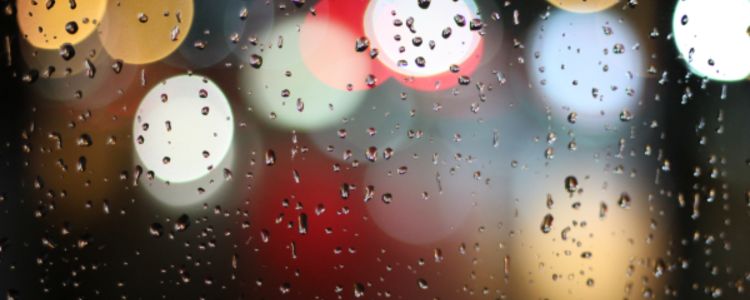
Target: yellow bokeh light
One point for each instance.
(583, 6)
(46, 28)
(141, 32)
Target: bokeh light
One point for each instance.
(327, 42)
(49, 28)
(598, 243)
(587, 64)
(140, 32)
(713, 37)
(183, 128)
(432, 39)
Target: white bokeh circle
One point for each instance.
(586, 63)
(713, 37)
(428, 25)
(186, 136)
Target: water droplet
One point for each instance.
(590, 282)
(464, 80)
(84, 141)
(624, 200)
(71, 27)
(416, 41)
(571, 184)
(420, 61)
(475, 24)
(460, 20)
(256, 61)
(572, 117)
(422, 284)
(359, 290)
(626, 115)
(67, 51)
(81, 164)
(142, 17)
(371, 153)
(156, 230)
(447, 32)
(361, 44)
(387, 198)
(270, 157)
(117, 66)
(547, 223)
(182, 223)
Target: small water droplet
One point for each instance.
(571, 184)
(142, 17)
(547, 223)
(624, 200)
(361, 44)
(71, 27)
(256, 61)
(447, 32)
(67, 51)
(422, 284)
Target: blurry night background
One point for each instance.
(382, 149)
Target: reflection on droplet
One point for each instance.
(546, 226)
(713, 37)
(571, 184)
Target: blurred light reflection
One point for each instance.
(713, 37)
(587, 64)
(183, 128)
(141, 32)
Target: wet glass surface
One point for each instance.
(383, 149)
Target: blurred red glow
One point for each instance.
(336, 27)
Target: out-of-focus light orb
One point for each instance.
(591, 235)
(141, 32)
(713, 37)
(61, 23)
(329, 51)
(183, 128)
(583, 6)
(381, 23)
(284, 91)
(588, 64)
